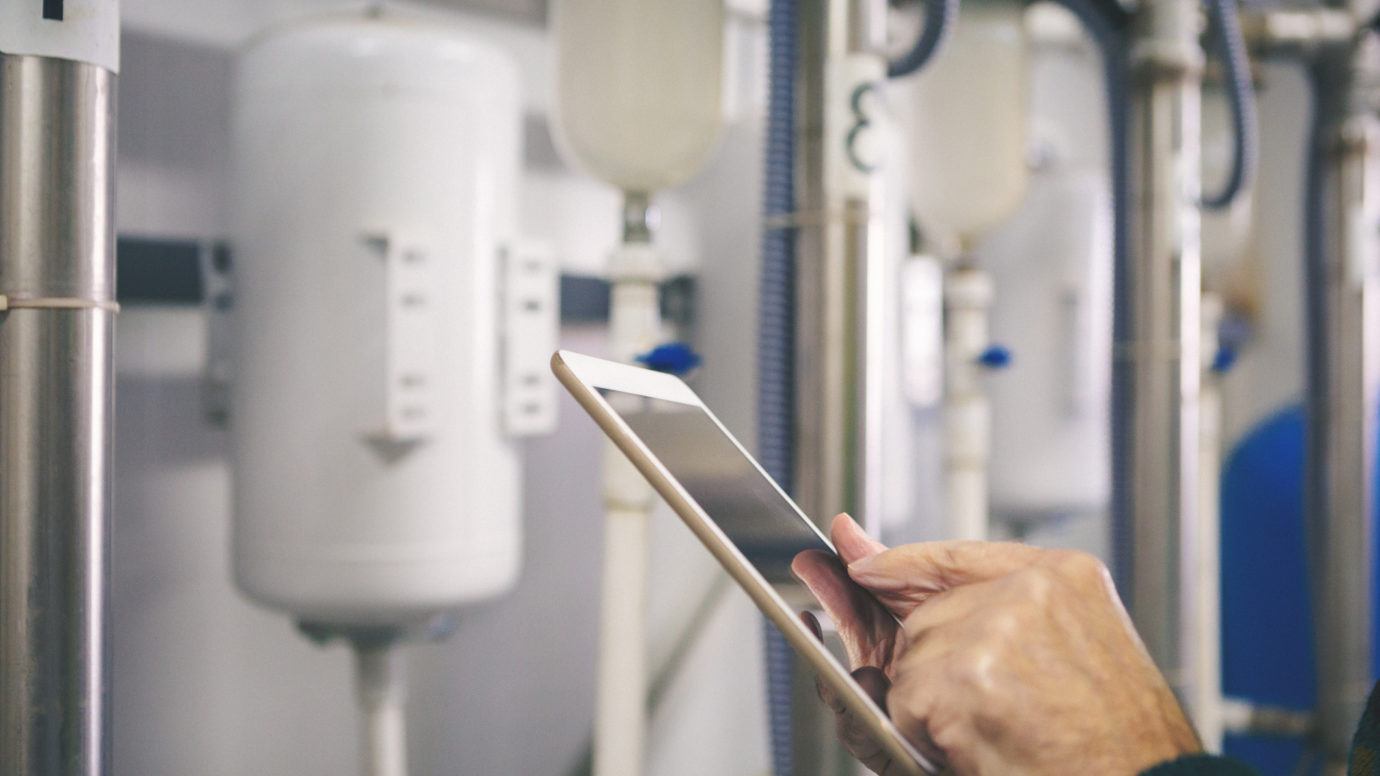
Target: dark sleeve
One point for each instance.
(1201, 765)
(1365, 747)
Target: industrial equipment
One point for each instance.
(389, 329)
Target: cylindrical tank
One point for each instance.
(639, 87)
(963, 118)
(375, 176)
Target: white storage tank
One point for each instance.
(639, 99)
(963, 118)
(376, 161)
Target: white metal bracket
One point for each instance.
(409, 411)
(219, 300)
(530, 311)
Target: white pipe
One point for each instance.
(381, 689)
(967, 412)
(620, 712)
(1207, 703)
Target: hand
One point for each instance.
(1008, 660)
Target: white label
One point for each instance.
(79, 30)
(854, 125)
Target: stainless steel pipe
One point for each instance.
(838, 259)
(1343, 383)
(837, 244)
(1157, 350)
(57, 270)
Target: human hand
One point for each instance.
(1009, 659)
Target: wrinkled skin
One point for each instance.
(1007, 659)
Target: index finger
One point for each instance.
(933, 567)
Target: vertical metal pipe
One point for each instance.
(838, 241)
(57, 269)
(1157, 363)
(1343, 380)
(827, 276)
(838, 259)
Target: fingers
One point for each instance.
(853, 544)
(828, 581)
(855, 735)
(852, 732)
(937, 566)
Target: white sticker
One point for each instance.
(79, 30)
(855, 124)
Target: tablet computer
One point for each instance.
(739, 513)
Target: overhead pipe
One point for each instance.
(57, 305)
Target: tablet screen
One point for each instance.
(745, 505)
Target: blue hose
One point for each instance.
(1241, 96)
(940, 17)
(776, 337)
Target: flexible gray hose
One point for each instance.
(1226, 23)
(940, 17)
(776, 338)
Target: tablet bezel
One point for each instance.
(582, 376)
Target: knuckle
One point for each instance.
(1004, 624)
(974, 668)
(1037, 585)
(1082, 567)
(907, 705)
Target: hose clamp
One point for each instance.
(8, 303)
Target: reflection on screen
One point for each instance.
(723, 481)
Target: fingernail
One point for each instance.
(863, 565)
(865, 572)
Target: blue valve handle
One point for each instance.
(1223, 360)
(675, 358)
(995, 357)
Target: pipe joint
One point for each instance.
(1358, 136)
(640, 217)
(1297, 34)
(1165, 44)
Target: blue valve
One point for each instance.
(995, 357)
(675, 358)
(1223, 360)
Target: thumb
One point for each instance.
(851, 541)
(933, 567)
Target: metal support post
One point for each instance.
(839, 244)
(1343, 380)
(57, 283)
(1156, 368)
